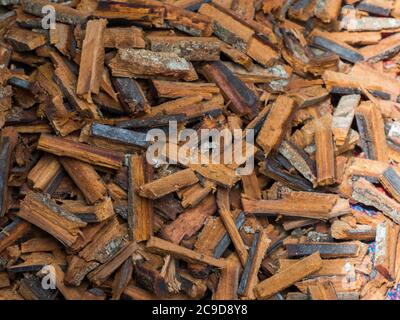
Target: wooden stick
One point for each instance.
(343, 117)
(371, 127)
(106, 243)
(382, 50)
(12, 232)
(66, 14)
(92, 59)
(226, 216)
(228, 281)
(101, 211)
(299, 204)
(174, 182)
(324, 156)
(289, 276)
(300, 160)
(326, 250)
(90, 154)
(63, 121)
(118, 135)
(99, 275)
(122, 38)
(275, 125)
(323, 290)
(165, 247)
(122, 279)
(385, 256)
(5, 163)
(243, 100)
(390, 180)
(47, 215)
(190, 221)
(86, 178)
(190, 48)
(213, 241)
(174, 89)
(366, 193)
(249, 278)
(140, 213)
(24, 40)
(139, 63)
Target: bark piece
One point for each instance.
(228, 281)
(77, 270)
(363, 38)
(286, 278)
(90, 154)
(44, 172)
(213, 241)
(229, 223)
(324, 40)
(174, 182)
(25, 40)
(391, 182)
(343, 117)
(302, 10)
(237, 56)
(243, 100)
(122, 279)
(65, 14)
(106, 243)
(86, 178)
(226, 27)
(251, 186)
(257, 252)
(12, 232)
(369, 24)
(63, 121)
(300, 160)
(118, 135)
(276, 123)
(140, 211)
(171, 89)
(166, 247)
(6, 149)
(99, 275)
(61, 37)
(386, 243)
(92, 59)
(131, 95)
(385, 49)
(47, 215)
(377, 7)
(190, 221)
(371, 128)
(99, 212)
(323, 290)
(363, 76)
(299, 204)
(326, 250)
(328, 11)
(123, 38)
(189, 48)
(342, 230)
(366, 193)
(67, 80)
(139, 63)
(141, 12)
(324, 156)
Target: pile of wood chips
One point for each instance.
(316, 80)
